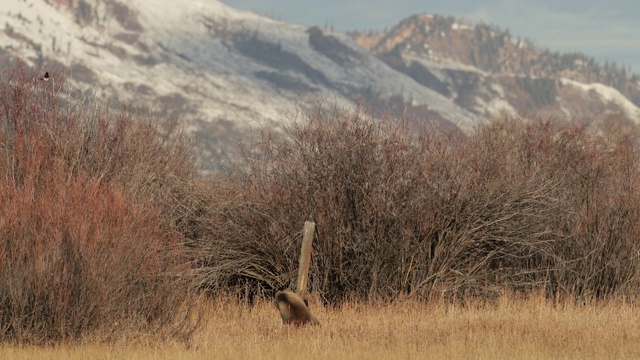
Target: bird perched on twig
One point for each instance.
(45, 77)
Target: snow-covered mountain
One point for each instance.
(227, 70)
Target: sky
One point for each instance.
(605, 30)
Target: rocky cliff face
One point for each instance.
(486, 70)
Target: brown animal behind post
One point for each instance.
(293, 309)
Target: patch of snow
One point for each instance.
(495, 106)
(456, 26)
(498, 89)
(609, 95)
(438, 62)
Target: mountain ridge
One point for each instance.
(227, 70)
(493, 51)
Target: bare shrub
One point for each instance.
(406, 208)
(600, 182)
(91, 234)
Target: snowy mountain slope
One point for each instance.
(608, 94)
(225, 70)
(215, 64)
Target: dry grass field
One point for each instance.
(510, 329)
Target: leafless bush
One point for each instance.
(92, 217)
(406, 208)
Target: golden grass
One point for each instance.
(510, 329)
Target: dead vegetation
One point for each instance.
(107, 232)
(89, 218)
(511, 327)
(403, 208)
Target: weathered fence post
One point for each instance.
(305, 257)
(292, 306)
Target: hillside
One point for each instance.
(227, 71)
(482, 67)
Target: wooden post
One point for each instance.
(305, 257)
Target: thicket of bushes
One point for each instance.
(105, 225)
(90, 206)
(403, 208)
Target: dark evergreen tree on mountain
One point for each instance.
(543, 91)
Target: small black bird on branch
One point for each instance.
(45, 77)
